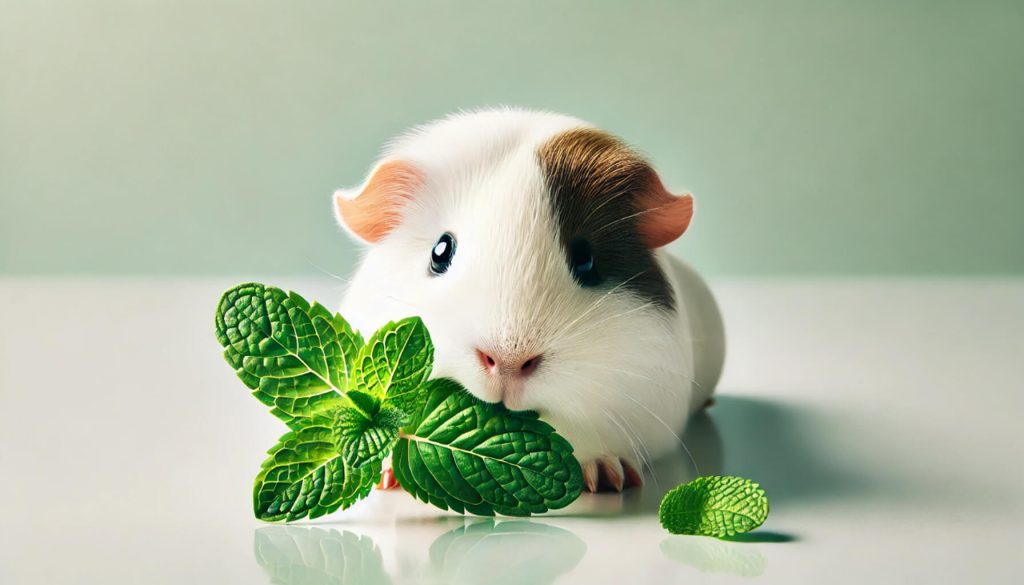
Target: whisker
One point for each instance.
(346, 280)
(678, 439)
(693, 461)
(612, 197)
(403, 301)
(627, 218)
(598, 302)
(589, 327)
(637, 374)
(642, 461)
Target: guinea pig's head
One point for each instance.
(526, 243)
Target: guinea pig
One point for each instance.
(531, 244)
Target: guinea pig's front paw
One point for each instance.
(611, 472)
(387, 480)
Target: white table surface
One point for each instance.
(882, 417)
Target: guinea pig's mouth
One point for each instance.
(506, 391)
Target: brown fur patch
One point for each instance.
(594, 181)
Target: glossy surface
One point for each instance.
(882, 418)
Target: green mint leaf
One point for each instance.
(714, 506)
(367, 404)
(466, 455)
(305, 477)
(395, 362)
(295, 357)
(366, 437)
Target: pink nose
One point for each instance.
(496, 364)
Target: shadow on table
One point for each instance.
(778, 445)
(525, 551)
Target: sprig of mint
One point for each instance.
(349, 404)
(714, 505)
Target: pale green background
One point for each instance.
(205, 137)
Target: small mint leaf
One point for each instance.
(714, 506)
(305, 477)
(367, 404)
(363, 438)
(395, 362)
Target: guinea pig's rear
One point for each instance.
(531, 244)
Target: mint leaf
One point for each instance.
(714, 506)
(367, 404)
(295, 357)
(366, 436)
(466, 455)
(305, 477)
(395, 361)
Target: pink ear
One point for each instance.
(663, 216)
(372, 211)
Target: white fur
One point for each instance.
(619, 377)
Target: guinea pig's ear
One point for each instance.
(663, 217)
(372, 210)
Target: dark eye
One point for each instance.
(582, 263)
(442, 253)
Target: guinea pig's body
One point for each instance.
(530, 244)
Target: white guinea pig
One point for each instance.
(530, 244)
